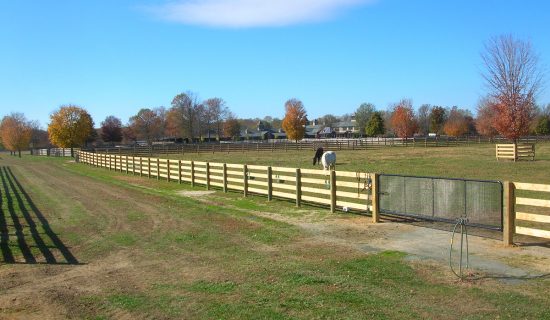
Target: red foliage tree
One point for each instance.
(514, 78)
(513, 116)
(111, 129)
(485, 118)
(457, 124)
(402, 120)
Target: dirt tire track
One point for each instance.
(52, 291)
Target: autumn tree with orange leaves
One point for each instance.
(513, 77)
(402, 120)
(486, 118)
(295, 120)
(457, 124)
(70, 126)
(15, 132)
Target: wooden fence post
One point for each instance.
(207, 175)
(158, 169)
(375, 199)
(192, 173)
(149, 168)
(245, 180)
(140, 166)
(126, 164)
(332, 191)
(110, 162)
(225, 177)
(509, 225)
(168, 170)
(269, 183)
(298, 187)
(179, 171)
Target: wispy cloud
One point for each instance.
(251, 13)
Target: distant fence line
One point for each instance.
(306, 144)
(53, 152)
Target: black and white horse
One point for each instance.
(327, 159)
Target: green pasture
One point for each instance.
(475, 161)
(221, 260)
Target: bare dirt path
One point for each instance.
(487, 255)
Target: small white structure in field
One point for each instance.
(328, 159)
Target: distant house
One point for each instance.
(327, 132)
(262, 133)
(346, 129)
(312, 130)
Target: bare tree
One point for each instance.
(329, 119)
(216, 112)
(423, 118)
(147, 124)
(182, 116)
(513, 77)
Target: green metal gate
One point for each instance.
(442, 199)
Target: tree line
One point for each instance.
(512, 76)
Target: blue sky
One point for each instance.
(115, 57)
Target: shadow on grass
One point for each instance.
(22, 221)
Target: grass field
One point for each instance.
(474, 161)
(83, 242)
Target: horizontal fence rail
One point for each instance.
(515, 151)
(306, 144)
(337, 189)
(532, 209)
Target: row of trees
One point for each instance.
(187, 118)
(512, 76)
(70, 127)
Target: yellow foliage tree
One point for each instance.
(70, 126)
(295, 119)
(15, 132)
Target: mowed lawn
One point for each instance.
(86, 243)
(476, 161)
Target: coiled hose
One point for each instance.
(463, 234)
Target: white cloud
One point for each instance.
(251, 13)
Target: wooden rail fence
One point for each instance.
(336, 189)
(515, 151)
(307, 144)
(53, 152)
(531, 211)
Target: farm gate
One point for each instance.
(442, 199)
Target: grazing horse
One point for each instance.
(317, 157)
(328, 159)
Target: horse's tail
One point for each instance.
(314, 160)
